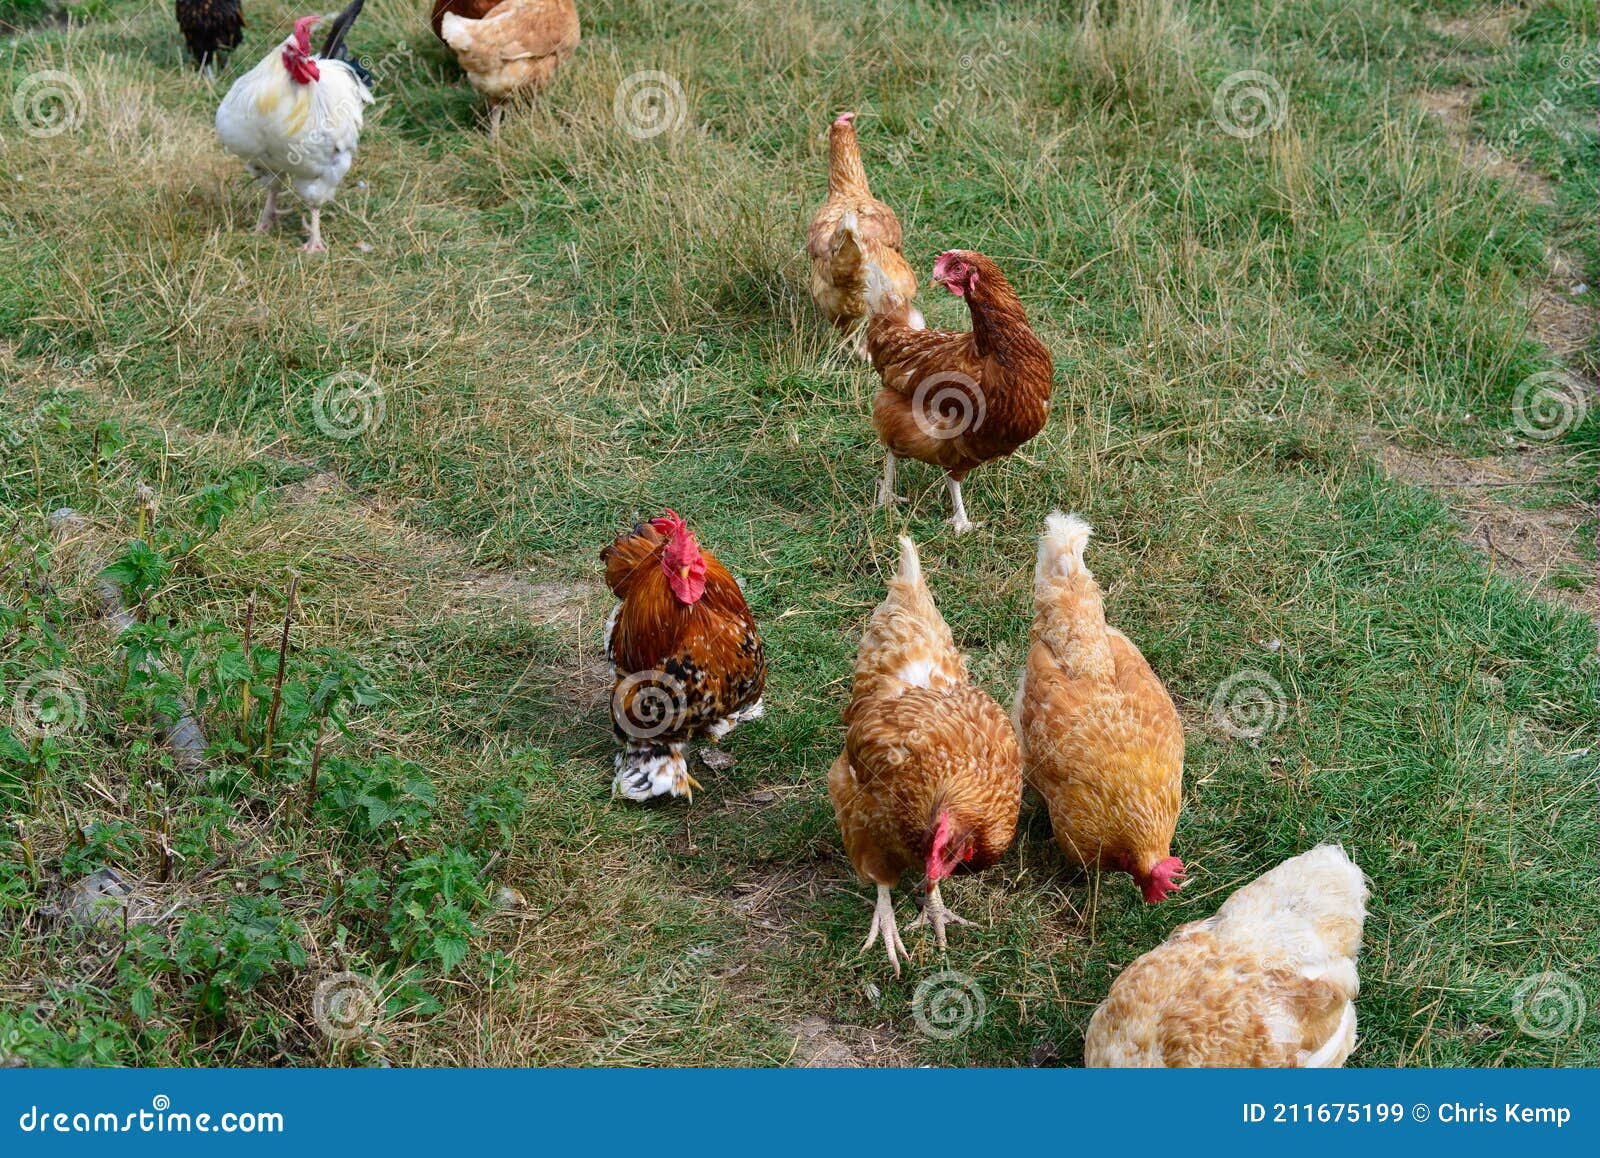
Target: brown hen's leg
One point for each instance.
(934, 913)
(497, 113)
(886, 495)
(883, 922)
(959, 519)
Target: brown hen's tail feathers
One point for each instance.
(882, 300)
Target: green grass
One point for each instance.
(572, 327)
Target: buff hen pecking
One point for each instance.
(930, 776)
(686, 659)
(854, 231)
(1101, 740)
(1269, 981)
(951, 399)
(508, 46)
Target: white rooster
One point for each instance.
(295, 119)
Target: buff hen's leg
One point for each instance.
(959, 518)
(883, 923)
(934, 913)
(497, 113)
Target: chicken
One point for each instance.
(1101, 741)
(950, 399)
(1269, 981)
(507, 46)
(930, 776)
(295, 119)
(686, 661)
(211, 29)
(851, 231)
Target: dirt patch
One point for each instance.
(1481, 30)
(1453, 107)
(1534, 543)
(823, 1044)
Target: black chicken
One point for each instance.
(212, 28)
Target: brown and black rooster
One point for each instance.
(685, 656)
(212, 29)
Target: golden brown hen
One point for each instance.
(930, 776)
(951, 399)
(1101, 740)
(1269, 981)
(686, 659)
(851, 232)
(508, 46)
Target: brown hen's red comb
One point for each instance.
(669, 524)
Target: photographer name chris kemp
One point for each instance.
(1507, 1114)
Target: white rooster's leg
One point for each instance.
(269, 211)
(314, 242)
(959, 518)
(886, 495)
(934, 913)
(883, 922)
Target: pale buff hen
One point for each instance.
(509, 47)
(1270, 980)
(930, 777)
(1101, 740)
(852, 232)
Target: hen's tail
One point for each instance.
(1067, 602)
(882, 299)
(907, 641)
(1323, 887)
(1061, 547)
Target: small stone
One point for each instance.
(762, 797)
(1274, 644)
(506, 897)
(1581, 288)
(716, 759)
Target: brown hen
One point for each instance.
(950, 399)
(508, 46)
(930, 777)
(686, 659)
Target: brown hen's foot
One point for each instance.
(886, 495)
(959, 519)
(883, 922)
(934, 913)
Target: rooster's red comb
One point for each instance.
(669, 524)
(302, 33)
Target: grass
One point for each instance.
(571, 327)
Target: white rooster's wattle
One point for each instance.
(295, 119)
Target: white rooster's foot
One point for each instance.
(270, 213)
(883, 923)
(315, 245)
(314, 227)
(935, 914)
